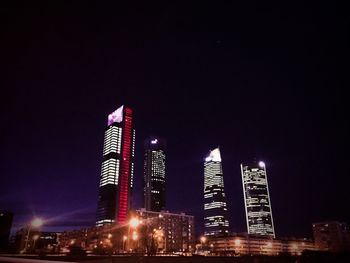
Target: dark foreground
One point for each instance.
(311, 258)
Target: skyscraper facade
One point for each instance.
(257, 200)
(117, 169)
(215, 209)
(154, 174)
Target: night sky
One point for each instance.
(264, 81)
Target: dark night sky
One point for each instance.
(260, 80)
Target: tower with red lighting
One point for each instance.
(117, 168)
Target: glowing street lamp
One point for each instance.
(237, 242)
(35, 223)
(35, 238)
(134, 222)
(134, 236)
(124, 240)
(203, 239)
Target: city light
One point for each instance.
(203, 239)
(116, 116)
(134, 222)
(134, 235)
(237, 242)
(214, 156)
(125, 238)
(261, 164)
(37, 222)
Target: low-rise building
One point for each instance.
(331, 236)
(244, 244)
(169, 231)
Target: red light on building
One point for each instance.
(124, 181)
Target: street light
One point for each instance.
(35, 223)
(134, 236)
(237, 242)
(133, 223)
(238, 245)
(35, 238)
(124, 239)
(203, 239)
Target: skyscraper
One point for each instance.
(117, 168)
(215, 210)
(154, 174)
(257, 200)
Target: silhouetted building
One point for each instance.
(331, 236)
(47, 241)
(20, 239)
(5, 229)
(215, 209)
(257, 200)
(117, 170)
(154, 174)
(170, 232)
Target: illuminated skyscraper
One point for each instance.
(117, 169)
(154, 174)
(215, 210)
(257, 200)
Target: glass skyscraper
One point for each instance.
(154, 174)
(117, 169)
(257, 200)
(215, 209)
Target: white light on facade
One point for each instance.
(256, 193)
(261, 164)
(214, 156)
(116, 116)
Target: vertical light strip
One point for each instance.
(125, 168)
(268, 195)
(245, 199)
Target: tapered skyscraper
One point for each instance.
(154, 174)
(117, 169)
(257, 200)
(215, 210)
